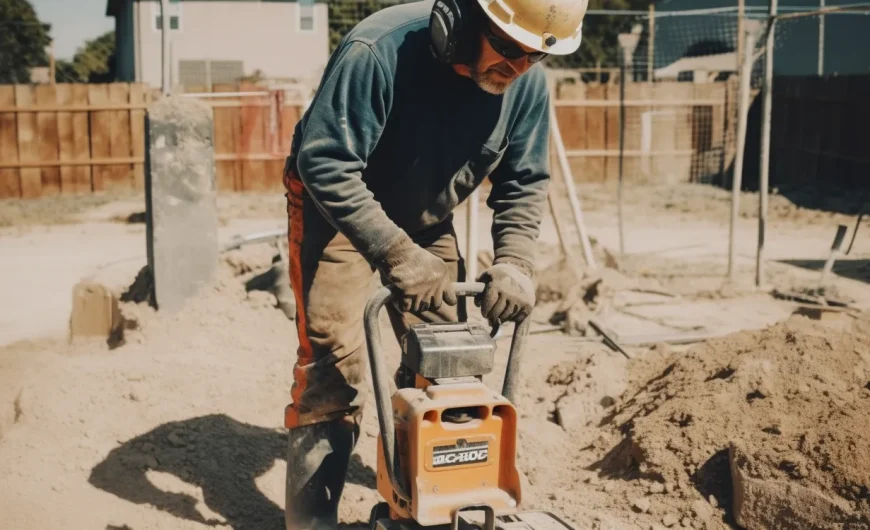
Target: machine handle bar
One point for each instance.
(380, 377)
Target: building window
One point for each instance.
(173, 22)
(306, 16)
(175, 12)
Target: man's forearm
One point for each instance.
(342, 197)
(342, 128)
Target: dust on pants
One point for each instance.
(331, 281)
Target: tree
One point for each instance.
(345, 14)
(600, 32)
(92, 63)
(23, 39)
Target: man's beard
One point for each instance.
(487, 82)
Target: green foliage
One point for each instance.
(92, 63)
(23, 40)
(600, 32)
(345, 14)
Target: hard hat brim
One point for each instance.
(532, 40)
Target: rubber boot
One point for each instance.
(318, 456)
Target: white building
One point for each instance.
(220, 41)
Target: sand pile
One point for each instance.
(783, 411)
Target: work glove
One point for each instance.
(509, 294)
(420, 280)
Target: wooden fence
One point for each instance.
(71, 138)
(77, 138)
(674, 132)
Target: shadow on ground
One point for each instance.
(854, 269)
(222, 456)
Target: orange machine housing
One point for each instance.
(447, 464)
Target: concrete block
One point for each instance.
(95, 311)
(96, 299)
(182, 220)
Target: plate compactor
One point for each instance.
(447, 443)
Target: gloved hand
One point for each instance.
(421, 279)
(509, 294)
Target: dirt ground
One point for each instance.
(180, 425)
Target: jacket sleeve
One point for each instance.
(519, 183)
(344, 123)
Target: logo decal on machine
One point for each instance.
(460, 453)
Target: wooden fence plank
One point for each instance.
(611, 133)
(120, 176)
(10, 183)
(83, 175)
(47, 138)
(101, 136)
(227, 132)
(595, 132)
(28, 148)
(138, 94)
(572, 125)
(73, 136)
(254, 123)
(66, 138)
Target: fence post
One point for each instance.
(764, 175)
(472, 222)
(651, 46)
(741, 32)
(180, 208)
(164, 34)
(619, 194)
(737, 179)
(821, 66)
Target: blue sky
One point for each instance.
(73, 22)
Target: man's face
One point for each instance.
(494, 72)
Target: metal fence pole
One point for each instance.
(620, 198)
(821, 67)
(737, 180)
(164, 33)
(651, 46)
(764, 175)
(471, 234)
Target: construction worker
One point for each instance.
(418, 104)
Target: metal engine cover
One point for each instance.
(449, 350)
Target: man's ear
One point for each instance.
(472, 38)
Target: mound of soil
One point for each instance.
(782, 411)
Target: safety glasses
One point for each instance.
(509, 49)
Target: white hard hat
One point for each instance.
(551, 26)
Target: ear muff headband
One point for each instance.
(450, 28)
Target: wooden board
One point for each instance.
(47, 139)
(10, 183)
(28, 145)
(101, 136)
(572, 125)
(120, 176)
(227, 135)
(255, 120)
(596, 130)
(611, 134)
(67, 138)
(138, 94)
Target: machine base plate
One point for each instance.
(521, 521)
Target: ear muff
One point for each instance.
(450, 28)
